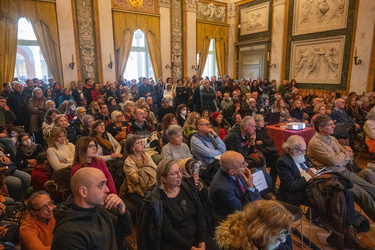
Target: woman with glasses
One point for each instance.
(86, 156)
(108, 147)
(172, 216)
(140, 171)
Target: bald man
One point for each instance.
(85, 222)
(232, 186)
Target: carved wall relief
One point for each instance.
(149, 6)
(318, 60)
(254, 19)
(86, 39)
(164, 3)
(312, 16)
(211, 12)
(191, 5)
(177, 41)
(231, 10)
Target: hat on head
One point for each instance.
(215, 115)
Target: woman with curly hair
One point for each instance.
(169, 119)
(263, 224)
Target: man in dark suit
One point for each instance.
(232, 186)
(294, 172)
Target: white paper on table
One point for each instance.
(259, 181)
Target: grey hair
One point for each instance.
(173, 131)
(245, 120)
(30, 202)
(292, 142)
(371, 114)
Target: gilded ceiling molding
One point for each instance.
(177, 39)
(191, 5)
(86, 39)
(231, 10)
(165, 3)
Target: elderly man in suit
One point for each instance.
(294, 172)
(232, 186)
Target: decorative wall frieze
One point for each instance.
(149, 6)
(254, 19)
(231, 10)
(177, 41)
(191, 5)
(211, 12)
(86, 39)
(317, 16)
(165, 3)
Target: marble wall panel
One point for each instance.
(254, 19)
(310, 16)
(317, 60)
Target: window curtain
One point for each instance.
(8, 49)
(124, 26)
(206, 32)
(44, 20)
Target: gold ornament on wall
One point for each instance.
(136, 3)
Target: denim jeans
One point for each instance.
(18, 183)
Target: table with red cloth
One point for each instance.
(280, 135)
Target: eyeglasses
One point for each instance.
(92, 146)
(205, 124)
(174, 174)
(45, 207)
(301, 150)
(243, 165)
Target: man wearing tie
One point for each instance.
(232, 186)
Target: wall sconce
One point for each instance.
(195, 67)
(273, 65)
(356, 60)
(110, 64)
(71, 65)
(170, 67)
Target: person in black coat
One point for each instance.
(197, 98)
(17, 102)
(265, 144)
(165, 109)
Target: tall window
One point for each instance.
(30, 62)
(211, 68)
(139, 63)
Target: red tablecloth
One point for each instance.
(280, 135)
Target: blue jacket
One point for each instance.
(204, 150)
(226, 196)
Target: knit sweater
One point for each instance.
(34, 234)
(175, 152)
(61, 157)
(327, 154)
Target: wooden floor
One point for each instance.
(319, 234)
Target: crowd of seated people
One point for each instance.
(159, 146)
